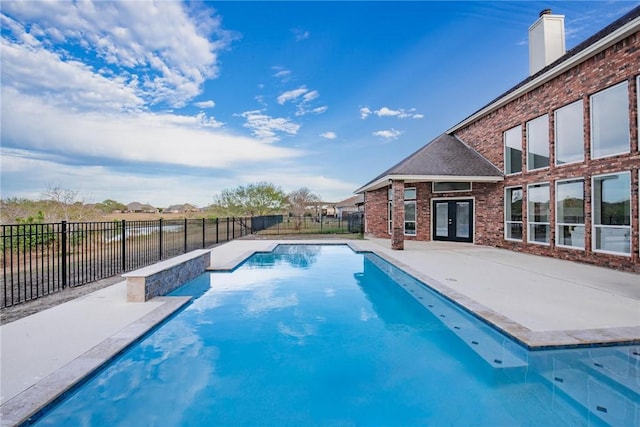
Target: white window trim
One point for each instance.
(504, 151)
(529, 222)
(555, 136)
(593, 223)
(591, 123)
(559, 224)
(548, 142)
(415, 203)
(390, 211)
(433, 188)
(415, 222)
(505, 214)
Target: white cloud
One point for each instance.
(390, 134)
(388, 112)
(281, 73)
(300, 34)
(292, 95)
(161, 51)
(65, 83)
(384, 111)
(95, 183)
(265, 127)
(310, 96)
(329, 135)
(134, 137)
(209, 122)
(302, 97)
(302, 110)
(205, 104)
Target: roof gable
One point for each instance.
(445, 156)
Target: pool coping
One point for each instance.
(19, 409)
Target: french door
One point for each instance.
(453, 220)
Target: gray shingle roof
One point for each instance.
(445, 156)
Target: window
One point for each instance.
(538, 143)
(570, 214)
(610, 121)
(612, 213)
(513, 213)
(448, 187)
(538, 213)
(513, 150)
(410, 211)
(390, 209)
(569, 127)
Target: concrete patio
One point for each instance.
(539, 301)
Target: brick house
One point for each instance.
(551, 167)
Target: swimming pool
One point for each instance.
(320, 335)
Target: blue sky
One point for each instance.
(170, 102)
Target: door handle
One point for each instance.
(450, 221)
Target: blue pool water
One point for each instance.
(322, 336)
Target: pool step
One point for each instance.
(620, 370)
(601, 399)
(494, 348)
(498, 351)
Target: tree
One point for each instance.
(14, 210)
(262, 198)
(299, 201)
(63, 205)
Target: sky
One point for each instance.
(172, 102)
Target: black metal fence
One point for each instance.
(283, 224)
(39, 259)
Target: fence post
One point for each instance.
(217, 231)
(233, 228)
(63, 260)
(203, 238)
(227, 235)
(123, 246)
(160, 242)
(185, 235)
(321, 223)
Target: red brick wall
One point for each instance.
(617, 64)
(486, 200)
(375, 212)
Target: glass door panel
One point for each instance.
(442, 219)
(462, 219)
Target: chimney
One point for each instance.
(546, 41)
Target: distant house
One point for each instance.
(551, 167)
(137, 207)
(321, 209)
(184, 208)
(350, 205)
